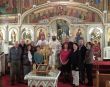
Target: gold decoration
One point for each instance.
(34, 68)
(46, 51)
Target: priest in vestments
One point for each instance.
(56, 47)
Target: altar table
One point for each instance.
(49, 80)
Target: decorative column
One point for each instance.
(7, 34)
(20, 33)
(103, 40)
(106, 35)
(34, 27)
(105, 12)
(19, 3)
(19, 18)
(86, 32)
(105, 2)
(105, 16)
(28, 19)
(6, 41)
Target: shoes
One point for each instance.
(20, 82)
(12, 83)
(74, 85)
(82, 82)
(89, 84)
(25, 82)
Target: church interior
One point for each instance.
(29, 20)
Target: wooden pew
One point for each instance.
(101, 79)
(108, 83)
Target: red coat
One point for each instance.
(64, 56)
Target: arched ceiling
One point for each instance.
(62, 4)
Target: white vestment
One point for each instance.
(56, 47)
(40, 42)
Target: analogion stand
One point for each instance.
(49, 80)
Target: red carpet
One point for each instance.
(5, 79)
(5, 83)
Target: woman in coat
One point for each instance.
(27, 60)
(75, 62)
(89, 63)
(64, 60)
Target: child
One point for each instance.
(38, 57)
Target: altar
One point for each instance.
(49, 80)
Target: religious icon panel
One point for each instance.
(27, 35)
(41, 31)
(108, 37)
(77, 33)
(2, 35)
(13, 35)
(95, 38)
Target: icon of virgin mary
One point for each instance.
(78, 35)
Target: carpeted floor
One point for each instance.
(5, 83)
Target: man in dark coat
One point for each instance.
(14, 63)
(82, 50)
(22, 45)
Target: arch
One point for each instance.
(60, 17)
(93, 28)
(73, 4)
(2, 31)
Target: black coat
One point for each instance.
(75, 60)
(26, 61)
(22, 48)
(83, 53)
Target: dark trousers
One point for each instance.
(66, 72)
(89, 68)
(21, 72)
(15, 71)
(82, 73)
(27, 69)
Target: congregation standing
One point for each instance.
(67, 56)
